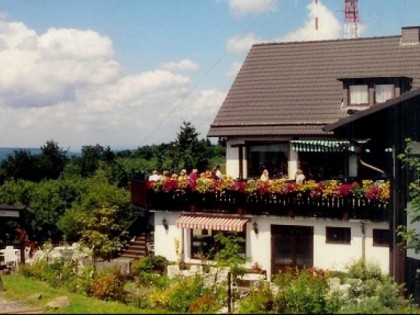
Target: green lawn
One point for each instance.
(18, 288)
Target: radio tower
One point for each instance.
(351, 12)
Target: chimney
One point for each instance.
(410, 35)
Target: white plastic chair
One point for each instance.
(11, 256)
(150, 248)
(28, 255)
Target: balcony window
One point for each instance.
(381, 237)
(338, 235)
(205, 246)
(383, 92)
(359, 94)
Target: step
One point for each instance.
(134, 252)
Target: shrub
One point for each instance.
(108, 285)
(147, 270)
(179, 295)
(259, 301)
(206, 304)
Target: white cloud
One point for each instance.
(65, 85)
(242, 7)
(183, 65)
(242, 44)
(47, 69)
(74, 44)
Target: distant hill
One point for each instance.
(4, 152)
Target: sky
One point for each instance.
(129, 73)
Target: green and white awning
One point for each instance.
(321, 146)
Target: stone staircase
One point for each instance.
(137, 247)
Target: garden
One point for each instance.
(361, 289)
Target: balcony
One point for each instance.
(329, 199)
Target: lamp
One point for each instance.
(165, 223)
(255, 227)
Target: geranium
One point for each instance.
(377, 191)
(344, 189)
(330, 189)
(226, 183)
(251, 186)
(156, 185)
(263, 187)
(204, 184)
(283, 187)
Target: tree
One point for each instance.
(102, 230)
(189, 152)
(101, 216)
(92, 155)
(52, 159)
(229, 254)
(21, 164)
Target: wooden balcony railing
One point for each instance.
(242, 202)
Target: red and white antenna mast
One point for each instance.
(351, 13)
(316, 16)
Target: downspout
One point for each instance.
(182, 249)
(362, 228)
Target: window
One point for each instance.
(204, 245)
(381, 237)
(383, 92)
(338, 235)
(359, 94)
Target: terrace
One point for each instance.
(367, 199)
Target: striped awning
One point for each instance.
(217, 223)
(321, 146)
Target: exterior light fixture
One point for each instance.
(255, 227)
(165, 223)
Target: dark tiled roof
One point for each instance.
(261, 130)
(294, 88)
(12, 207)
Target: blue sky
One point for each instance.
(127, 73)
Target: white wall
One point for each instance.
(164, 240)
(232, 160)
(416, 226)
(326, 256)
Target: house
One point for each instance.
(280, 114)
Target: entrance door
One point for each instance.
(291, 246)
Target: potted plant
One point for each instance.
(256, 267)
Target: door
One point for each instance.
(291, 246)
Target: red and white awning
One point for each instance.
(212, 223)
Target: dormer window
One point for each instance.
(384, 92)
(359, 94)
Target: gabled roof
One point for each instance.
(294, 88)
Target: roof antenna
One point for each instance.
(316, 18)
(351, 19)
